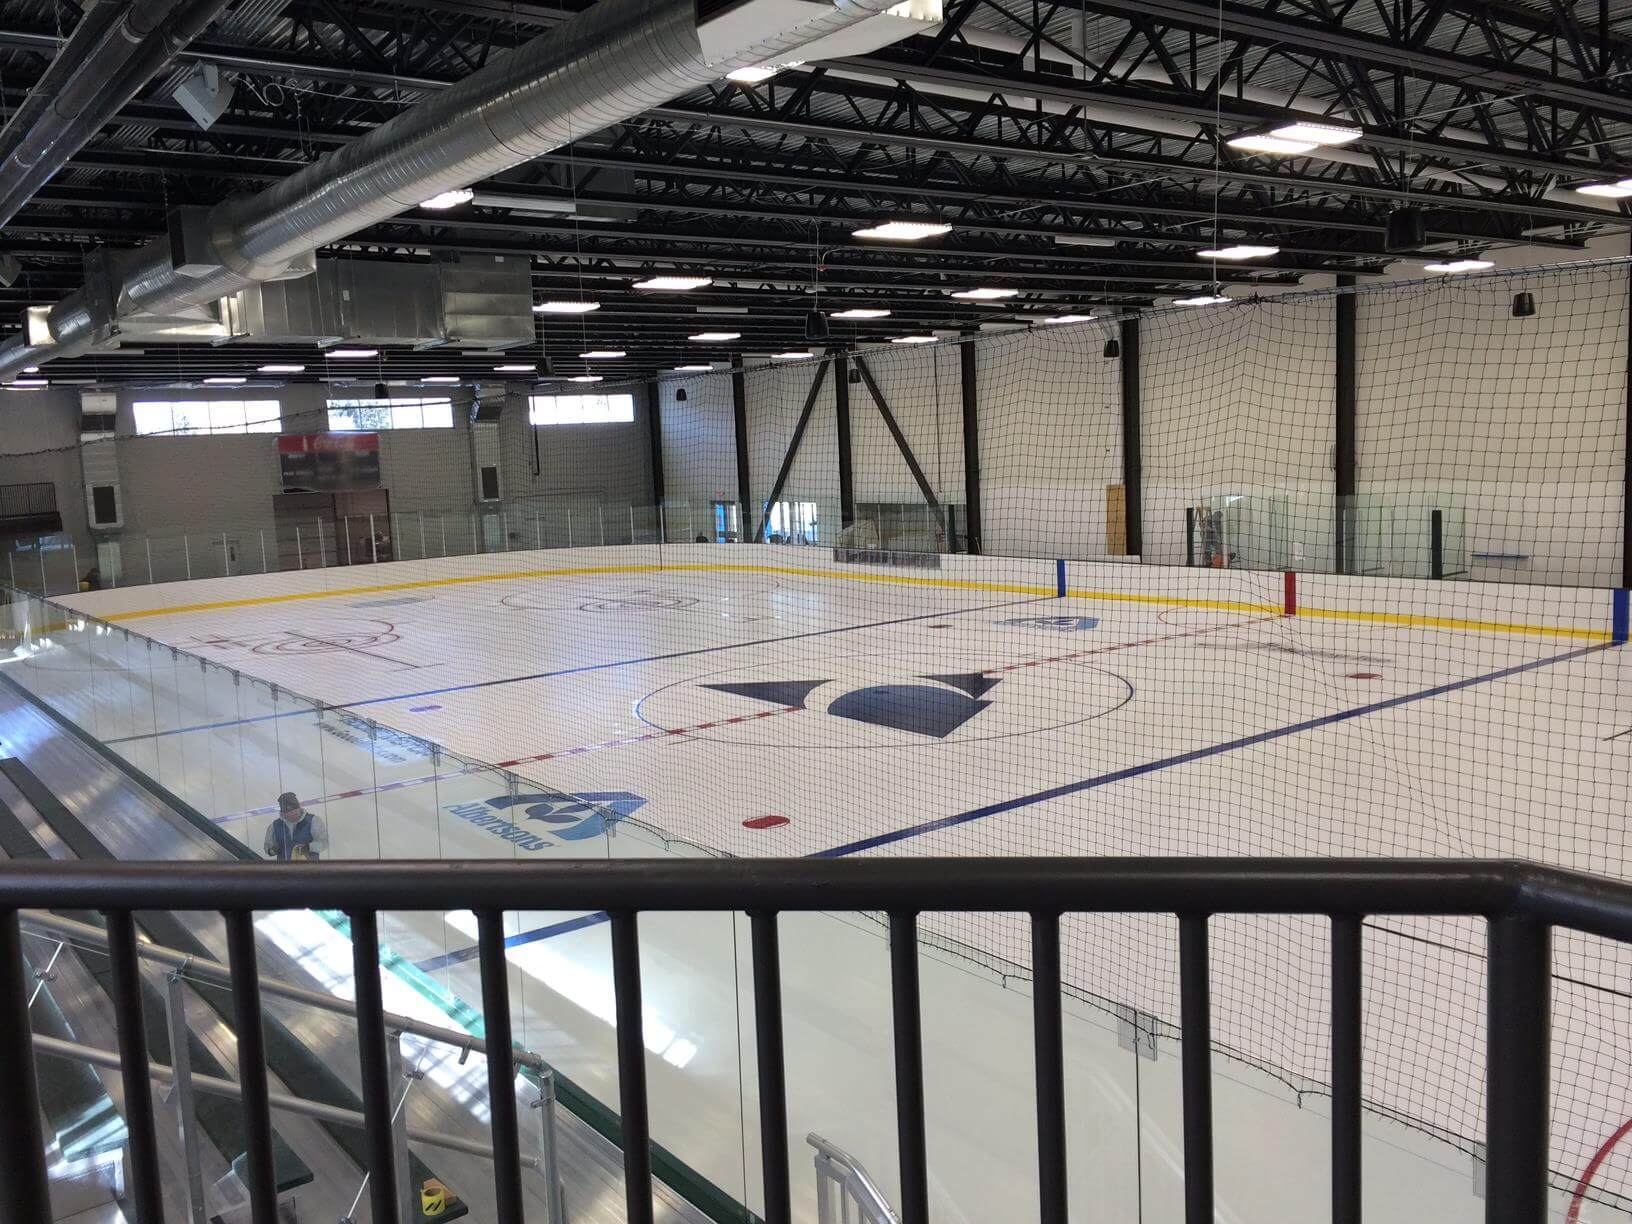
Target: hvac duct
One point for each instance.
(112, 53)
(605, 65)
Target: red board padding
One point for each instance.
(1291, 608)
(765, 822)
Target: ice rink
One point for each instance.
(771, 701)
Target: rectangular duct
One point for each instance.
(482, 299)
(99, 460)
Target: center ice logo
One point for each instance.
(567, 818)
(1063, 624)
(936, 709)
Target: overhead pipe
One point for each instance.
(603, 66)
(100, 74)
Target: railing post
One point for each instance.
(141, 1139)
(1048, 1038)
(909, 1067)
(1346, 1046)
(1197, 1071)
(1518, 1054)
(501, 1068)
(549, 1150)
(396, 1075)
(773, 1091)
(22, 1140)
(181, 1087)
(637, 1148)
(261, 1182)
(373, 1064)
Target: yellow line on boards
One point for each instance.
(1403, 619)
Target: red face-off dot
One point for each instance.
(765, 822)
(1365, 676)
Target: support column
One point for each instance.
(1626, 479)
(841, 400)
(1343, 451)
(654, 437)
(971, 446)
(739, 416)
(1132, 461)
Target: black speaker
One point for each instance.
(855, 376)
(1524, 305)
(381, 391)
(1113, 348)
(816, 326)
(679, 395)
(1407, 230)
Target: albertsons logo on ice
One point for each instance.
(536, 821)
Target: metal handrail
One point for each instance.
(1521, 903)
(84, 934)
(837, 1166)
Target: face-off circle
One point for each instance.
(338, 640)
(887, 700)
(642, 596)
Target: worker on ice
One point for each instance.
(295, 835)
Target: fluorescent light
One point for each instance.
(676, 284)
(1243, 250)
(693, 369)
(1204, 299)
(515, 368)
(1459, 265)
(985, 294)
(277, 368)
(603, 354)
(448, 199)
(352, 352)
(721, 309)
(1609, 191)
(760, 72)
(1321, 134)
(913, 340)
(903, 231)
(861, 312)
(27, 384)
(795, 356)
(715, 337)
(225, 381)
(585, 378)
(440, 378)
(1084, 240)
(1068, 318)
(1257, 142)
(31, 369)
(565, 307)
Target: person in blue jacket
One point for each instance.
(296, 835)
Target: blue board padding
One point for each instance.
(1622, 620)
(1059, 577)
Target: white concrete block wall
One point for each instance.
(1238, 402)
(776, 395)
(923, 388)
(699, 445)
(1515, 423)
(1050, 420)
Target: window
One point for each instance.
(580, 409)
(207, 416)
(370, 415)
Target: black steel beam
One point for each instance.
(1132, 459)
(971, 444)
(1344, 450)
(901, 443)
(654, 440)
(841, 409)
(739, 425)
(793, 445)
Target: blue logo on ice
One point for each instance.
(569, 817)
(1063, 624)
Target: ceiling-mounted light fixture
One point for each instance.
(279, 368)
(903, 231)
(861, 312)
(564, 307)
(1259, 142)
(603, 354)
(674, 284)
(585, 378)
(1202, 299)
(1056, 320)
(985, 294)
(448, 199)
(447, 379)
(913, 340)
(715, 337)
(352, 354)
(760, 72)
(1459, 265)
(791, 356)
(693, 369)
(1619, 190)
(1243, 250)
(1323, 135)
(515, 368)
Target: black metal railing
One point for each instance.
(1521, 903)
